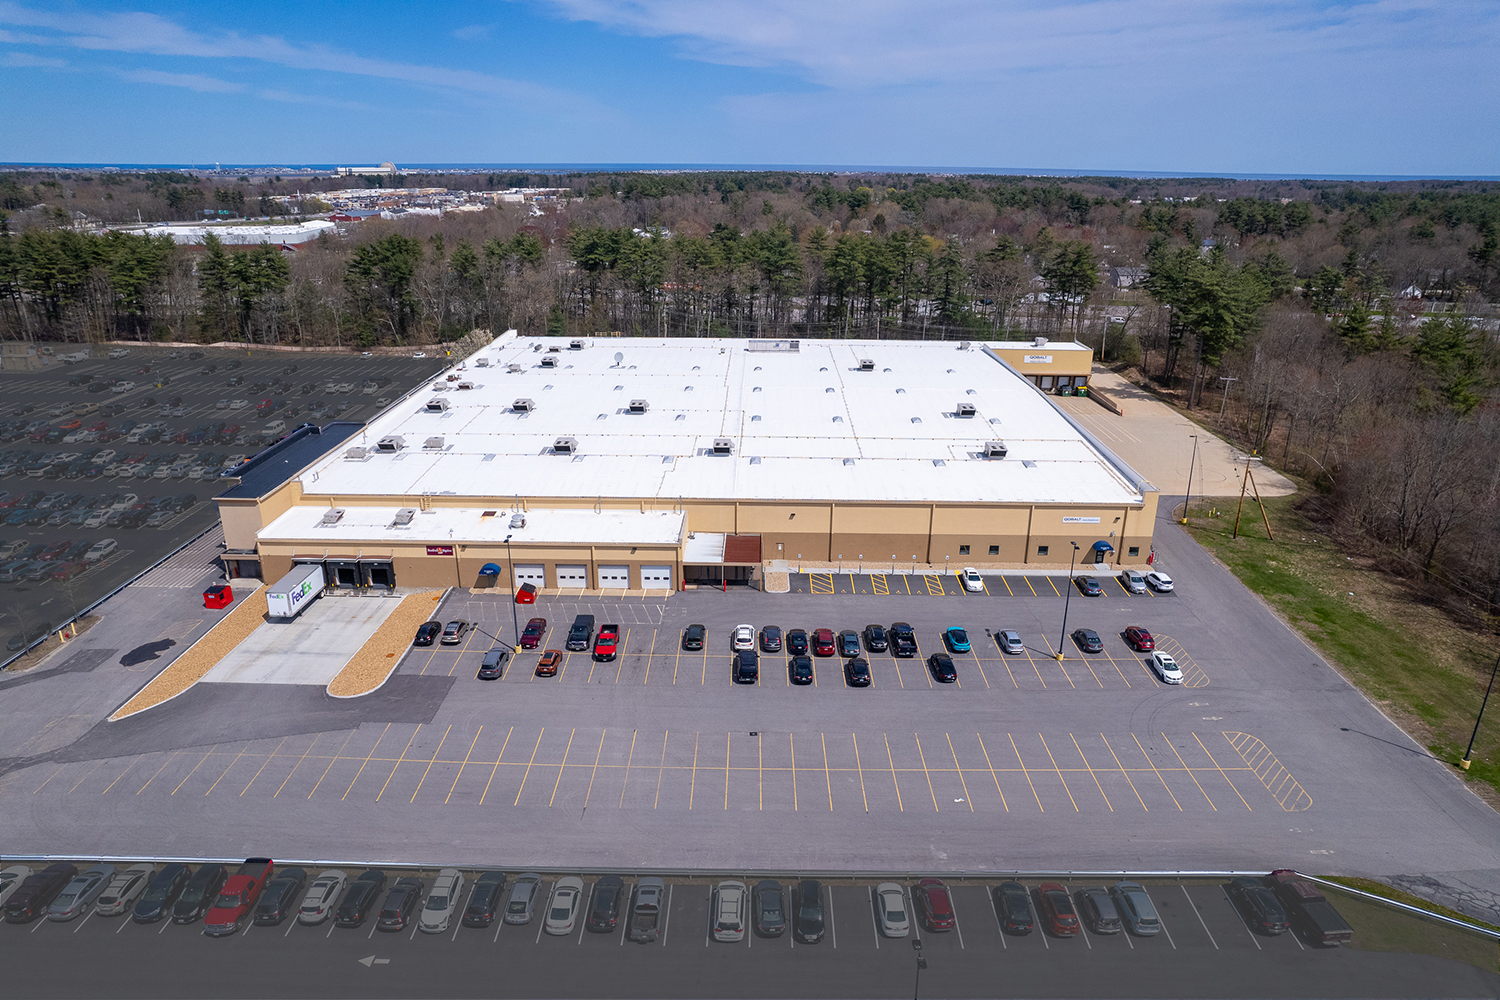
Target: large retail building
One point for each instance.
(636, 463)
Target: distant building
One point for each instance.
(286, 235)
(1126, 277)
(387, 169)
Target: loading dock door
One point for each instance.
(656, 577)
(612, 577)
(343, 575)
(572, 576)
(378, 574)
(534, 575)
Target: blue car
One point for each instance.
(956, 639)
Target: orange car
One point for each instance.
(546, 666)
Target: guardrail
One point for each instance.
(1405, 907)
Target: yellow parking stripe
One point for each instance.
(1008, 591)
(1027, 581)
(933, 581)
(878, 584)
(1053, 586)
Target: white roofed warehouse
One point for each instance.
(640, 463)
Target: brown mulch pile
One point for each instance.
(368, 669)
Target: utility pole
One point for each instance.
(1067, 600)
(1191, 462)
(1226, 379)
(1474, 735)
(515, 621)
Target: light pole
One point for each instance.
(1226, 379)
(1191, 462)
(1472, 736)
(515, 621)
(921, 964)
(1067, 600)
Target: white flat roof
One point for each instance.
(469, 525)
(1031, 345)
(804, 425)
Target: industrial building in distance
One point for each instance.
(602, 463)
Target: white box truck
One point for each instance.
(290, 596)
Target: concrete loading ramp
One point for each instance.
(310, 649)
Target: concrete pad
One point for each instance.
(1154, 439)
(310, 649)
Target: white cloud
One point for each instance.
(192, 81)
(27, 59)
(473, 32)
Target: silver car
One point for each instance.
(122, 891)
(562, 910)
(322, 897)
(522, 901)
(1010, 641)
(441, 902)
(78, 894)
(895, 922)
(728, 911)
(1136, 909)
(1133, 581)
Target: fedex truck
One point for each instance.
(289, 597)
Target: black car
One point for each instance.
(799, 670)
(160, 894)
(848, 642)
(770, 639)
(36, 892)
(857, 672)
(1089, 587)
(359, 898)
(400, 902)
(810, 924)
(280, 895)
(875, 640)
(1013, 904)
(484, 899)
(1259, 905)
(609, 896)
(796, 642)
(1088, 640)
(692, 637)
(903, 640)
(199, 893)
(493, 665)
(427, 633)
(746, 667)
(769, 904)
(941, 665)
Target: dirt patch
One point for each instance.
(199, 658)
(369, 668)
(37, 656)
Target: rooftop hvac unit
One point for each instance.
(639, 406)
(514, 369)
(391, 444)
(866, 364)
(549, 362)
(356, 455)
(436, 405)
(523, 406)
(723, 446)
(554, 350)
(994, 449)
(405, 514)
(575, 345)
(1039, 342)
(518, 520)
(466, 385)
(481, 362)
(565, 446)
(433, 444)
(331, 517)
(966, 409)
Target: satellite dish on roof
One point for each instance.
(619, 356)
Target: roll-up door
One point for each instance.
(614, 577)
(656, 577)
(534, 575)
(572, 576)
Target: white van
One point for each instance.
(102, 548)
(275, 428)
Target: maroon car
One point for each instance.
(934, 905)
(823, 642)
(531, 635)
(1139, 638)
(1057, 910)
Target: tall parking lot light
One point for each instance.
(1067, 600)
(916, 989)
(1474, 735)
(515, 621)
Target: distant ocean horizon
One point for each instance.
(815, 168)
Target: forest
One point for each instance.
(1345, 331)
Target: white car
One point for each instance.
(238, 404)
(11, 879)
(122, 891)
(124, 502)
(1159, 580)
(973, 582)
(100, 549)
(106, 456)
(420, 354)
(1166, 668)
(562, 908)
(894, 920)
(322, 897)
(728, 911)
(124, 386)
(96, 519)
(441, 902)
(119, 352)
(743, 638)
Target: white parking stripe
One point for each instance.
(833, 928)
(667, 916)
(585, 911)
(1081, 922)
(1199, 916)
(1236, 910)
(85, 920)
(874, 929)
(956, 927)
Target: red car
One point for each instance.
(1139, 638)
(1057, 910)
(69, 570)
(70, 425)
(237, 898)
(606, 646)
(823, 642)
(546, 665)
(934, 905)
(531, 635)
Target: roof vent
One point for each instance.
(481, 362)
(575, 345)
(518, 519)
(514, 369)
(331, 517)
(1039, 342)
(866, 364)
(994, 449)
(356, 455)
(1028, 463)
(939, 462)
(466, 385)
(723, 446)
(523, 406)
(564, 446)
(963, 345)
(393, 443)
(405, 514)
(994, 420)
(554, 350)
(755, 418)
(639, 406)
(966, 409)
(848, 461)
(755, 460)
(433, 444)
(549, 362)
(436, 405)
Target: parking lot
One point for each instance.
(78, 477)
(1206, 949)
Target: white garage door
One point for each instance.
(656, 577)
(611, 577)
(534, 575)
(572, 576)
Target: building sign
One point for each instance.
(447, 550)
(1038, 359)
(1066, 520)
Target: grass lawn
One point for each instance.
(1424, 671)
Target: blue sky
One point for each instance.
(1380, 87)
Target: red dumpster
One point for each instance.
(526, 594)
(218, 596)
